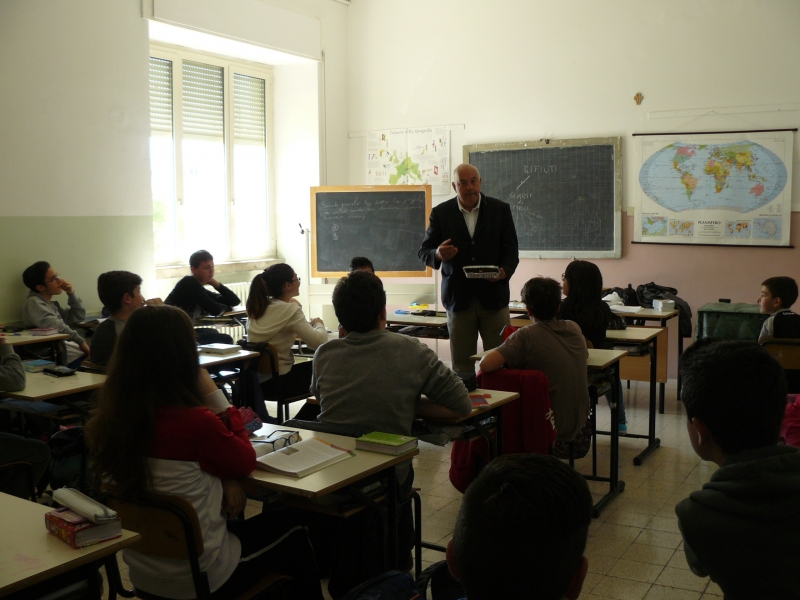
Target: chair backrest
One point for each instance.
(786, 351)
(508, 330)
(268, 362)
(168, 524)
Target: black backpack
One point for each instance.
(392, 585)
(436, 583)
(67, 449)
(648, 292)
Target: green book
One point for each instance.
(386, 443)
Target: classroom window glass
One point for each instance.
(209, 158)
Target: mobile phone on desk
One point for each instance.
(59, 371)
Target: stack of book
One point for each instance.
(37, 366)
(386, 443)
(78, 531)
(43, 331)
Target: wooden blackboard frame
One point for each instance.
(552, 143)
(394, 189)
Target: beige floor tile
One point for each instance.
(661, 539)
(606, 547)
(434, 502)
(714, 589)
(621, 589)
(669, 524)
(637, 571)
(591, 581)
(644, 507)
(600, 564)
(678, 561)
(648, 554)
(681, 578)
(629, 518)
(660, 592)
(617, 532)
(445, 490)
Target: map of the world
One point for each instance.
(741, 176)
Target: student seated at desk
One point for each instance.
(190, 295)
(521, 531)
(742, 528)
(361, 263)
(15, 448)
(556, 348)
(778, 294)
(163, 425)
(582, 284)
(40, 310)
(374, 378)
(275, 316)
(121, 294)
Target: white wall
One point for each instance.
(518, 70)
(74, 158)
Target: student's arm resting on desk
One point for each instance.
(39, 313)
(223, 295)
(313, 335)
(492, 361)
(76, 312)
(445, 388)
(12, 374)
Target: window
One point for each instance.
(209, 157)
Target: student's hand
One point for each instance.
(154, 302)
(207, 385)
(317, 321)
(214, 283)
(67, 287)
(233, 497)
(446, 251)
(501, 275)
(85, 349)
(2, 340)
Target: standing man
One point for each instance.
(468, 230)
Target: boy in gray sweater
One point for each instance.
(40, 310)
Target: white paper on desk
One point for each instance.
(302, 458)
(625, 309)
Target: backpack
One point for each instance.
(442, 585)
(392, 585)
(648, 292)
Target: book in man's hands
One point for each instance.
(78, 531)
(302, 458)
(386, 443)
(219, 348)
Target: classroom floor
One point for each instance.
(635, 550)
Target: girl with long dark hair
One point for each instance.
(163, 426)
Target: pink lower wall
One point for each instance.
(701, 274)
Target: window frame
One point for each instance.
(230, 66)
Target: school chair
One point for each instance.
(268, 365)
(787, 352)
(170, 528)
(27, 469)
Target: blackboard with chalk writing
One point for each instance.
(565, 195)
(385, 223)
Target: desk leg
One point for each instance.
(392, 508)
(491, 441)
(653, 441)
(615, 485)
(680, 353)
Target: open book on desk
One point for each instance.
(619, 308)
(303, 458)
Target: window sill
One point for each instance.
(245, 266)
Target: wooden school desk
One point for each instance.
(235, 316)
(23, 338)
(43, 387)
(29, 554)
(335, 477)
(480, 413)
(216, 360)
(437, 321)
(648, 336)
(606, 361)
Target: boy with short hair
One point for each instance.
(778, 294)
(40, 310)
(521, 531)
(190, 295)
(556, 348)
(743, 527)
(361, 263)
(121, 294)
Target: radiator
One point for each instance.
(241, 289)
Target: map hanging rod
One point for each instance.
(713, 132)
(713, 245)
(730, 110)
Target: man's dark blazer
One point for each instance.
(494, 243)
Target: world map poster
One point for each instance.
(412, 156)
(715, 188)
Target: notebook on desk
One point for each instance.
(219, 349)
